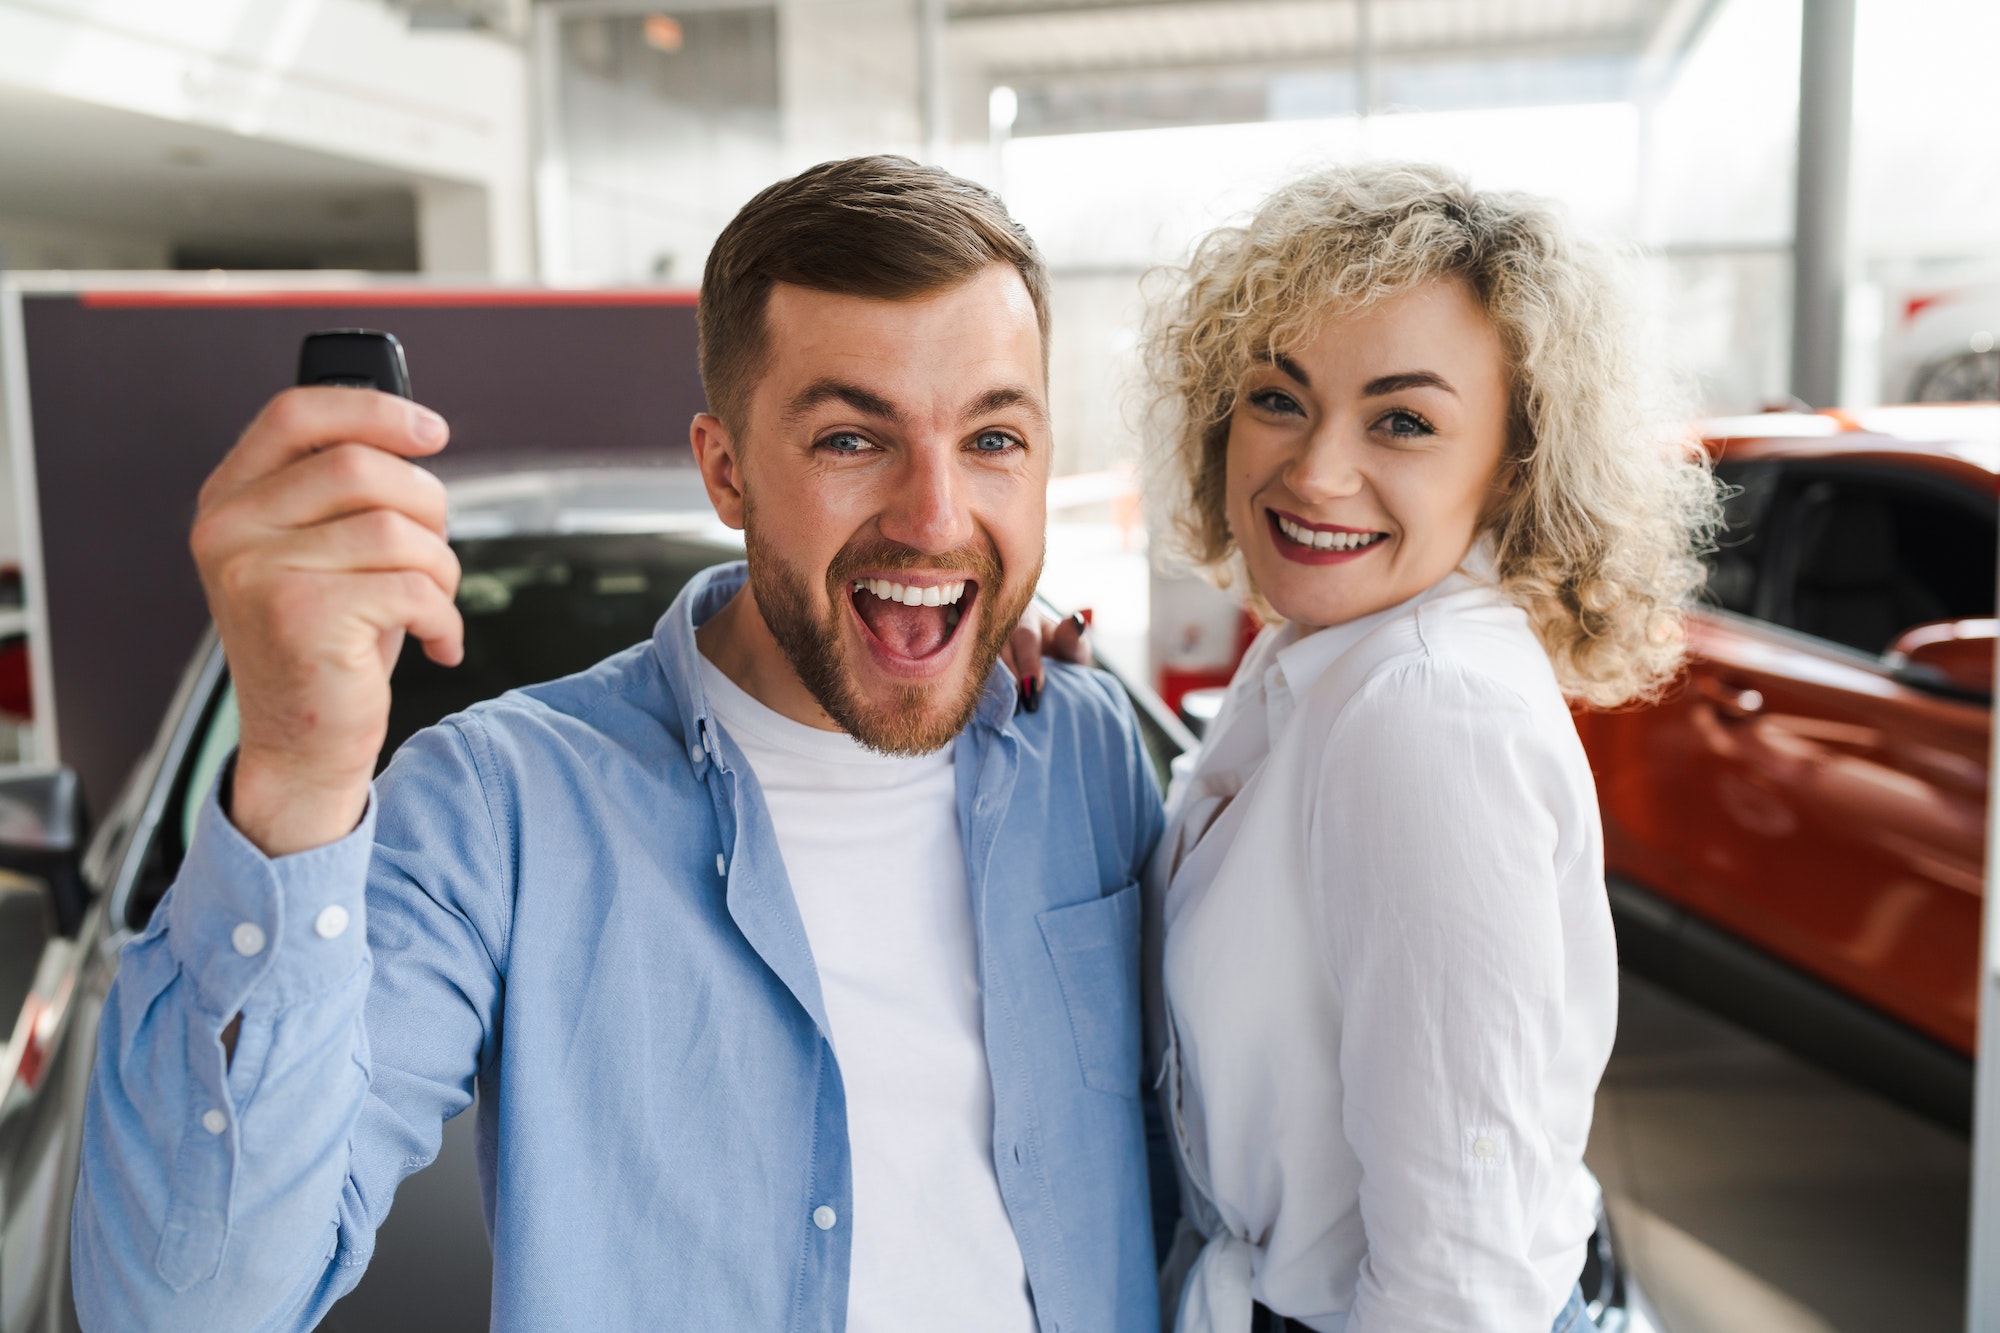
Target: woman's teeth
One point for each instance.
(1327, 541)
(944, 594)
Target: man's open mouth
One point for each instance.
(915, 620)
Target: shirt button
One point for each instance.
(1484, 1147)
(824, 1217)
(214, 1121)
(248, 939)
(331, 922)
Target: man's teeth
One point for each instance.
(1327, 541)
(938, 594)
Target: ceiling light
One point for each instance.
(664, 33)
(1003, 104)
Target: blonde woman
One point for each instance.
(1407, 414)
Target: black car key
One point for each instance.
(358, 358)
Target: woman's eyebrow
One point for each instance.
(1292, 368)
(1408, 379)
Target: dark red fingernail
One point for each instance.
(1031, 693)
(1076, 619)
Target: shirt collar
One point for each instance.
(708, 592)
(1302, 656)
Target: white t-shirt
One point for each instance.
(872, 847)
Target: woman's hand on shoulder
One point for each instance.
(1042, 636)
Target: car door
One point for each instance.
(1826, 811)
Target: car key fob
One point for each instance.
(358, 358)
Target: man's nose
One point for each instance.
(1327, 468)
(927, 509)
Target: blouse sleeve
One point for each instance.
(1444, 936)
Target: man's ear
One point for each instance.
(721, 472)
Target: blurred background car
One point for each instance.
(1796, 834)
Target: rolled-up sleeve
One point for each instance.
(1446, 942)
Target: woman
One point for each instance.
(1405, 414)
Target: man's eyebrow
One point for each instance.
(865, 401)
(1408, 379)
(998, 400)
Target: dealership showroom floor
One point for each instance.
(1753, 1192)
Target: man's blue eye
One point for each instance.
(847, 442)
(993, 442)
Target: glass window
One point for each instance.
(1867, 556)
(1735, 566)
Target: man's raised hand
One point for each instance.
(320, 544)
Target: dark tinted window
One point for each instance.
(535, 608)
(1868, 555)
(1735, 567)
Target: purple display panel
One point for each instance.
(134, 396)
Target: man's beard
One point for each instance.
(918, 719)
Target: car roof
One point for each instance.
(1957, 438)
(537, 499)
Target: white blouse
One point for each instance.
(1390, 984)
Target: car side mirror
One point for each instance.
(42, 832)
(1948, 657)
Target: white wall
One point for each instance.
(29, 244)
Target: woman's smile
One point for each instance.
(1320, 543)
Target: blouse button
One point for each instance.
(1483, 1147)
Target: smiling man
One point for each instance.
(795, 971)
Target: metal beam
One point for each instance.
(1819, 226)
(1319, 58)
(931, 74)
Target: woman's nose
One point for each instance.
(926, 509)
(1327, 468)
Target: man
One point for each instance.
(796, 972)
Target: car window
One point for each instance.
(1866, 554)
(218, 738)
(1735, 567)
(535, 608)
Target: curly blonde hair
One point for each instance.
(1601, 530)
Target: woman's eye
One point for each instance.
(1404, 425)
(1277, 402)
(993, 442)
(845, 442)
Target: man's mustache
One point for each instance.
(876, 555)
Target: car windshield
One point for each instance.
(541, 607)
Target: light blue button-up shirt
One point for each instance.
(570, 900)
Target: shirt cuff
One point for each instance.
(257, 933)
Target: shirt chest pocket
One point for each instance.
(1095, 948)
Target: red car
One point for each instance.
(1796, 834)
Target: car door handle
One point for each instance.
(1733, 701)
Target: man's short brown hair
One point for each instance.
(882, 227)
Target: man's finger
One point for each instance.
(299, 421)
(343, 479)
(374, 541)
(412, 601)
